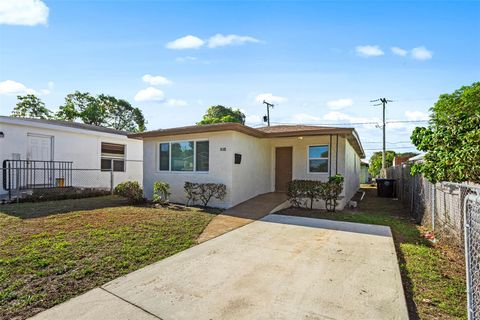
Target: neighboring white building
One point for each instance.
(66, 147)
(249, 161)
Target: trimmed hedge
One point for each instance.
(304, 193)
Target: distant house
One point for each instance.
(249, 161)
(364, 174)
(38, 153)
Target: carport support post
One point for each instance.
(111, 181)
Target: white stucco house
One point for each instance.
(249, 161)
(48, 151)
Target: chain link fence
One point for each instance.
(439, 207)
(26, 180)
(452, 212)
(472, 253)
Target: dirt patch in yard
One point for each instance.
(47, 260)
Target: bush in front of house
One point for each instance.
(304, 193)
(130, 190)
(204, 192)
(161, 192)
(331, 191)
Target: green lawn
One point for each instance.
(433, 275)
(76, 245)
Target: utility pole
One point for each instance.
(383, 102)
(267, 117)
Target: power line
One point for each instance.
(379, 149)
(352, 123)
(398, 142)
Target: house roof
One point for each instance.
(69, 124)
(263, 132)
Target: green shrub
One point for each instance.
(161, 192)
(298, 190)
(304, 193)
(204, 192)
(331, 191)
(130, 190)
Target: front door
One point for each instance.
(39, 147)
(283, 168)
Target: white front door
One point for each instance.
(39, 147)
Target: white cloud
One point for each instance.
(23, 12)
(155, 80)
(187, 42)
(421, 53)
(149, 94)
(416, 115)
(176, 103)
(269, 97)
(185, 59)
(369, 51)
(10, 87)
(399, 51)
(339, 103)
(220, 40)
(49, 89)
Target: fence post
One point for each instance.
(111, 181)
(17, 182)
(434, 195)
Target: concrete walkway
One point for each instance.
(279, 267)
(244, 213)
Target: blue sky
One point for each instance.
(318, 62)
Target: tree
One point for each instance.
(221, 114)
(376, 162)
(29, 106)
(102, 110)
(452, 138)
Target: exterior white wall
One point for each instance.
(252, 176)
(352, 172)
(83, 147)
(220, 166)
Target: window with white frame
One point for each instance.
(184, 156)
(112, 157)
(318, 159)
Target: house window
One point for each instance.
(318, 159)
(112, 157)
(201, 154)
(164, 156)
(184, 156)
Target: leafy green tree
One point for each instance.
(452, 138)
(102, 110)
(29, 106)
(221, 114)
(376, 162)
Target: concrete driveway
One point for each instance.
(279, 267)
